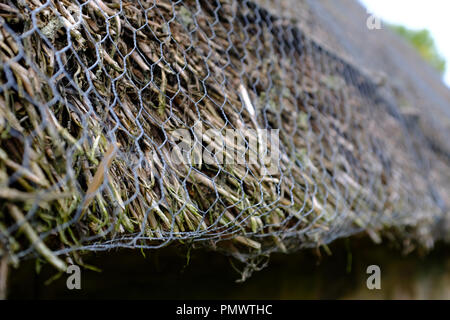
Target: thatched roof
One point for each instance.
(92, 96)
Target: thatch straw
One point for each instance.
(91, 98)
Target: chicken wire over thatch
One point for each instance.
(94, 92)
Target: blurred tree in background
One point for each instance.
(425, 45)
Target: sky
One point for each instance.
(418, 14)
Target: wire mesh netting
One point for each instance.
(132, 124)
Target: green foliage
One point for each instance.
(425, 45)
